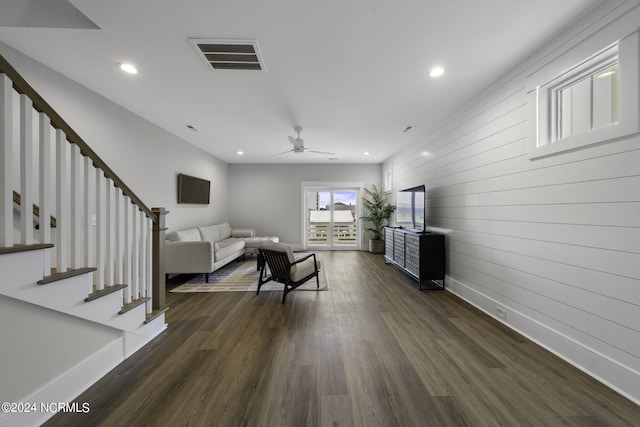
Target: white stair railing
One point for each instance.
(99, 222)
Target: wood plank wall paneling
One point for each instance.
(556, 240)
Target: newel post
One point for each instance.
(158, 283)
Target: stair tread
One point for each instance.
(133, 304)
(24, 248)
(105, 291)
(155, 314)
(54, 277)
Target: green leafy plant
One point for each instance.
(379, 211)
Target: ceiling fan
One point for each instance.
(298, 145)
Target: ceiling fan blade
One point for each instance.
(313, 150)
(284, 152)
(297, 143)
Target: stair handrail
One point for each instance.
(39, 104)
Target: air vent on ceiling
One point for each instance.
(230, 54)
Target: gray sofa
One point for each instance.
(206, 249)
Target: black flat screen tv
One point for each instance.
(410, 208)
(193, 190)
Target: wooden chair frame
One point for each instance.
(280, 269)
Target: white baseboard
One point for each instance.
(613, 374)
(66, 387)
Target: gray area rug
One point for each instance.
(242, 276)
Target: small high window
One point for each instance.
(594, 101)
(589, 103)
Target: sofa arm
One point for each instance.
(243, 232)
(188, 257)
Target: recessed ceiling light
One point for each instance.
(333, 158)
(367, 153)
(240, 152)
(436, 72)
(128, 68)
(407, 129)
(192, 127)
(425, 154)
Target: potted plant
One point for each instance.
(379, 212)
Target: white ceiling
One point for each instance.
(352, 73)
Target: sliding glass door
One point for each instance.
(331, 218)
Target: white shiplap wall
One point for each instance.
(553, 241)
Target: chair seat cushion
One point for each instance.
(304, 269)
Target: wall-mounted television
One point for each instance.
(410, 208)
(193, 190)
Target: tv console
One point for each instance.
(420, 255)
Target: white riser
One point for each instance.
(21, 268)
(105, 310)
(61, 295)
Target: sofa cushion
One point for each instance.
(226, 247)
(243, 232)
(225, 230)
(256, 242)
(210, 233)
(190, 235)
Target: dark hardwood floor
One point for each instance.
(371, 351)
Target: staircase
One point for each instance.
(81, 274)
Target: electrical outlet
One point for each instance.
(501, 313)
(93, 220)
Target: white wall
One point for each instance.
(553, 241)
(269, 197)
(144, 156)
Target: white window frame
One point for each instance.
(542, 99)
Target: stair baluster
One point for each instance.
(75, 218)
(109, 219)
(98, 259)
(26, 170)
(86, 223)
(149, 264)
(117, 248)
(127, 248)
(62, 202)
(135, 278)
(44, 184)
(6, 162)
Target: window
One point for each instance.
(592, 102)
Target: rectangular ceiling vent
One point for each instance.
(230, 54)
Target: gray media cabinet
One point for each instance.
(421, 255)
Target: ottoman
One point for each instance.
(252, 244)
